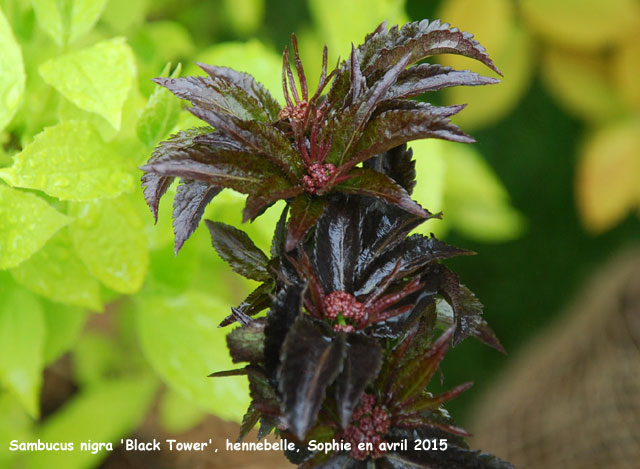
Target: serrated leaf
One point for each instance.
(181, 339)
(258, 300)
(236, 248)
(67, 20)
(103, 413)
(160, 114)
(57, 273)
(608, 175)
(19, 237)
(370, 183)
(270, 191)
(398, 164)
(582, 25)
(97, 79)
(192, 197)
(361, 366)
(247, 83)
(12, 77)
(311, 359)
(22, 337)
(109, 239)
(70, 161)
(304, 213)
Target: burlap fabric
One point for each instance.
(572, 398)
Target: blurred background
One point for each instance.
(104, 334)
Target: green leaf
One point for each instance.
(161, 113)
(64, 325)
(102, 413)
(15, 424)
(27, 223)
(181, 339)
(67, 20)
(236, 248)
(11, 73)
(109, 238)
(97, 79)
(57, 273)
(177, 414)
(22, 336)
(71, 162)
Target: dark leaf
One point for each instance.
(242, 172)
(223, 374)
(486, 335)
(423, 78)
(347, 131)
(258, 300)
(371, 183)
(361, 366)
(433, 403)
(267, 425)
(283, 313)
(271, 190)
(249, 421)
(417, 372)
(395, 127)
(280, 234)
(247, 83)
(155, 185)
(189, 203)
(398, 164)
(213, 96)
(337, 244)
(305, 211)
(340, 461)
(311, 359)
(419, 40)
(263, 396)
(456, 456)
(236, 248)
(246, 343)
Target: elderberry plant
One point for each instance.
(360, 312)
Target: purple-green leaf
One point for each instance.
(236, 248)
(192, 197)
(305, 210)
(370, 183)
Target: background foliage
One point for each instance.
(544, 196)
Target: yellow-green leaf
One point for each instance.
(70, 161)
(244, 16)
(57, 273)
(67, 20)
(181, 339)
(102, 413)
(583, 24)
(494, 24)
(161, 113)
(97, 79)
(608, 175)
(109, 238)
(582, 84)
(27, 223)
(22, 335)
(11, 73)
(64, 325)
(626, 68)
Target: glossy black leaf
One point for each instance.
(247, 83)
(361, 366)
(283, 313)
(280, 234)
(337, 244)
(258, 300)
(192, 197)
(311, 358)
(246, 343)
(236, 249)
(398, 164)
